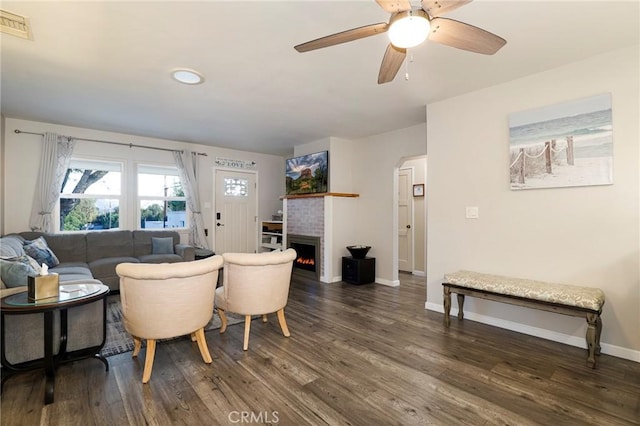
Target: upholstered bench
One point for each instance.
(559, 298)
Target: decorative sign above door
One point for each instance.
(235, 164)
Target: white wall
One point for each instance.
(374, 180)
(586, 236)
(312, 147)
(364, 167)
(22, 156)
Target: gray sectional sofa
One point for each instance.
(84, 258)
(96, 254)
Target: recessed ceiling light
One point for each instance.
(187, 76)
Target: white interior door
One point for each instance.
(405, 220)
(236, 212)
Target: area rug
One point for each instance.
(119, 341)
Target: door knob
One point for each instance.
(408, 226)
(219, 224)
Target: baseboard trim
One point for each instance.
(419, 273)
(613, 350)
(390, 283)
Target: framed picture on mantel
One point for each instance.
(418, 190)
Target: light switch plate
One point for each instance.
(472, 213)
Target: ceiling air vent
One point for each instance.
(16, 25)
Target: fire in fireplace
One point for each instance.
(306, 256)
(308, 249)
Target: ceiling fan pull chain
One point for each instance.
(406, 67)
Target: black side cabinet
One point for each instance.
(359, 271)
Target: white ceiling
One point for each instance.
(105, 65)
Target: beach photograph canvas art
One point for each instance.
(562, 145)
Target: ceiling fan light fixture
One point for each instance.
(187, 76)
(409, 28)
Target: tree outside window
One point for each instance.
(90, 196)
(161, 198)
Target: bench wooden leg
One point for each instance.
(447, 304)
(592, 344)
(598, 333)
(460, 306)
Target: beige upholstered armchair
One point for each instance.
(255, 284)
(161, 301)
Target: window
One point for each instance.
(236, 187)
(161, 199)
(90, 198)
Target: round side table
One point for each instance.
(70, 295)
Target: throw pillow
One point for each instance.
(14, 272)
(32, 262)
(40, 251)
(162, 245)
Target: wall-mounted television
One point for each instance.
(308, 174)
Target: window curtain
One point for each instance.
(188, 165)
(54, 162)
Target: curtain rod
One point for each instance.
(130, 145)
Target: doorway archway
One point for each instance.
(415, 216)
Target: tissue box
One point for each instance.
(43, 286)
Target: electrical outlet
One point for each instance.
(472, 213)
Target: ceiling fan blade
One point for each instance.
(464, 36)
(343, 37)
(440, 7)
(391, 63)
(393, 6)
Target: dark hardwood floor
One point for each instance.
(357, 355)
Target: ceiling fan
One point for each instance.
(409, 27)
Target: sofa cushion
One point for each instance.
(108, 244)
(71, 265)
(72, 268)
(68, 247)
(75, 277)
(160, 258)
(106, 267)
(14, 272)
(40, 251)
(161, 245)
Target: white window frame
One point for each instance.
(96, 164)
(166, 170)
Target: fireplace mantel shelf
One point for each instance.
(320, 194)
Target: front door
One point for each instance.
(236, 212)
(405, 219)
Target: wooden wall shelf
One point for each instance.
(320, 194)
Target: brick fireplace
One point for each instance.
(305, 219)
(329, 217)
